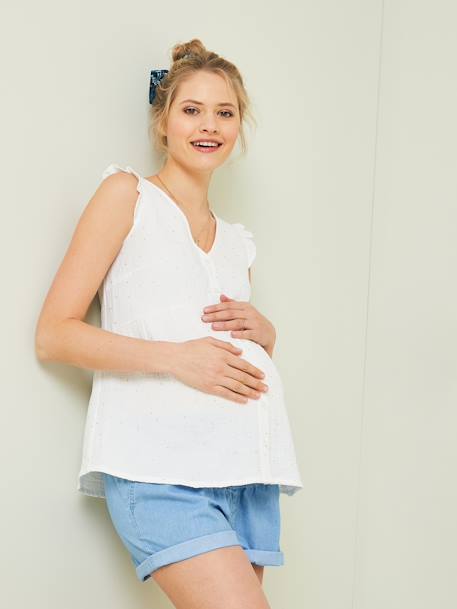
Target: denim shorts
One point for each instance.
(161, 524)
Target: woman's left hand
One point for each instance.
(243, 320)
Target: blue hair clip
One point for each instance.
(156, 77)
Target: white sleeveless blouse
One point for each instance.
(152, 427)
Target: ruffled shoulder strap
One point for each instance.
(114, 168)
(249, 243)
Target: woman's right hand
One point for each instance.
(215, 366)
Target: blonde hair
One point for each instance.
(188, 58)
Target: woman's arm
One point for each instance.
(75, 342)
(61, 334)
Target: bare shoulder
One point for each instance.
(110, 210)
(118, 187)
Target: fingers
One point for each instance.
(232, 324)
(245, 366)
(230, 395)
(230, 313)
(232, 304)
(240, 387)
(223, 344)
(241, 379)
(243, 387)
(251, 382)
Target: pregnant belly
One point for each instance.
(181, 323)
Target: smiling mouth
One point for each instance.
(203, 148)
(206, 146)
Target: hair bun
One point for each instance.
(193, 47)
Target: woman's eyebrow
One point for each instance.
(194, 101)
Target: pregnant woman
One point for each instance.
(187, 435)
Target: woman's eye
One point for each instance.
(223, 111)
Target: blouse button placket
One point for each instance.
(263, 414)
(214, 287)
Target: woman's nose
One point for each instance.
(210, 126)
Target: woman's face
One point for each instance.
(212, 114)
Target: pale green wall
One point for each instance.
(350, 190)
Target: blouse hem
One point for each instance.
(96, 487)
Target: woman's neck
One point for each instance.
(190, 189)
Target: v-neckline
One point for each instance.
(186, 221)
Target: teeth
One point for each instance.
(214, 144)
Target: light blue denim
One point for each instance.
(164, 523)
